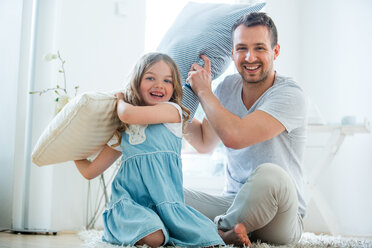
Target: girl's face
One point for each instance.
(157, 84)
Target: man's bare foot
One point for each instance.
(236, 236)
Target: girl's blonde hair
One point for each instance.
(132, 91)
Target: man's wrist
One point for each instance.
(202, 93)
(196, 91)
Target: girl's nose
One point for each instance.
(159, 84)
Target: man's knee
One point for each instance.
(268, 192)
(268, 181)
(271, 176)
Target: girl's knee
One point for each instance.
(154, 239)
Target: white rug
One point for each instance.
(92, 239)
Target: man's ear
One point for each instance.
(276, 51)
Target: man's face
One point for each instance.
(252, 53)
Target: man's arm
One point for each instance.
(234, 132)
(201, 136)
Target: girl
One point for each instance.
(147, 202)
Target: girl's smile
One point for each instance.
(157, 84)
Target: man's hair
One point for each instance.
(255, 19)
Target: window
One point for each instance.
(160, 15)
(201, 171)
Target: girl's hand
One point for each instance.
(120, 96)
(121, 104)
(122, 107)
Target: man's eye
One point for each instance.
(241, 49)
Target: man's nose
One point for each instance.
(250, 56)
(247, 56)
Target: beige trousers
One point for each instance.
(266, 204)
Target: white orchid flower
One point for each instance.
(50, 56)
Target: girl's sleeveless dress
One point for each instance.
(147, 194)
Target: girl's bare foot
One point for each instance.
(236, 236)
(154, 239)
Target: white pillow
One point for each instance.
(80, 130)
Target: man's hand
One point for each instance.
(199, 77)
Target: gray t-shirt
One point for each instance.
(285, 101)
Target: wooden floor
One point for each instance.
(61, 240)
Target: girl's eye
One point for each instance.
(168, 81)
(150, 78)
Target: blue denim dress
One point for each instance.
(147, 195)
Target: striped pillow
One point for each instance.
(80, 130)
(203, 28)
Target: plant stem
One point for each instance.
(46, 90)
(63, 71)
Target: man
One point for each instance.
(260, 117)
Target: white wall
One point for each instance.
(326, 47)
(100, 41)
(10, 12)
(100, 45)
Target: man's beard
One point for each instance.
(262, 78)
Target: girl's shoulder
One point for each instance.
(175, 128)
(178, 107)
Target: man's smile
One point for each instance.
(251, 68)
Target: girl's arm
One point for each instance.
(105, 158)
(159, 113)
